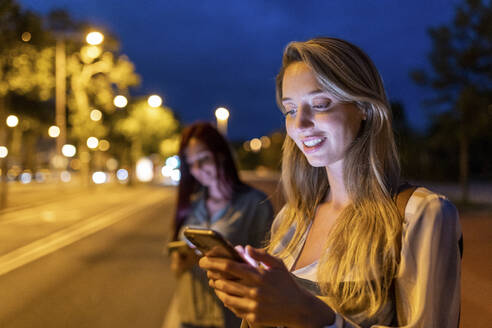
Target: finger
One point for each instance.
(239, 313)
(239, 305)
(271, 262)
(235, 289)
(215, 275)
(227, 267)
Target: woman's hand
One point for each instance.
(267, 295)
(182, 260)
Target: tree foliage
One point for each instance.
(150, 130)
(461, 76)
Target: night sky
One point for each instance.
(200, 55)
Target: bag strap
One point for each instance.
(405, 191)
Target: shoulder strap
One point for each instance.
(405, 191)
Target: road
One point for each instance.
(110, 275)
(78, 258)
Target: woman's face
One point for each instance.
(321, 126)
(201, 162)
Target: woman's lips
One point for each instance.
(312, 144)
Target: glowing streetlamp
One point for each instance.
(120, 101)
(222, 115)
(54, 131)
(12, 121)
(154, 101)
(94, 38)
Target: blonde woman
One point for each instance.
(340, 232)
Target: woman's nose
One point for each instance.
(304, 118)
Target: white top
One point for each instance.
(427, 284)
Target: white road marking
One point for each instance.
(70, 235)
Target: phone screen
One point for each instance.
(211, 242)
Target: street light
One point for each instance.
(94, 38)
(154, 101)
(54, 131)
(12, 121)
(120, 101)
(222, 114)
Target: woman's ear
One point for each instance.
(364, 113)
(363, 110)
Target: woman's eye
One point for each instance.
(321, 106)
(291, 112)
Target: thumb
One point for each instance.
(269, 261)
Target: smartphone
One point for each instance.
(207, 240)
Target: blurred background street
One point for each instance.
(94, 97)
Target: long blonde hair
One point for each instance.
(362, 250)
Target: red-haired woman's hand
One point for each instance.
(267, 295)
(183, 260)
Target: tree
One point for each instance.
(461, 75)
(25, 70)
(149, 131)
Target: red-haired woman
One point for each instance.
(211, 194)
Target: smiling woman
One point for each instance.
(374, 252)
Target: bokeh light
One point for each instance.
(176, 175)
(104, 145)
(265, 142)
(246, 146)
(112, 164)
(69, 150)
(96, 115)
(54, 131)
(222, 113)
(154, 101)
(120, 101)
(3, 151)
(122, 174)
(65, 176)
(40, 177)
(172, 162)
(166, 171)
(255, 144)
(92, 51)
(26, 37)
(12, 121)
(25, 178)
(92, 142)
(99, 177)
(145, 170)
(94, 38)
